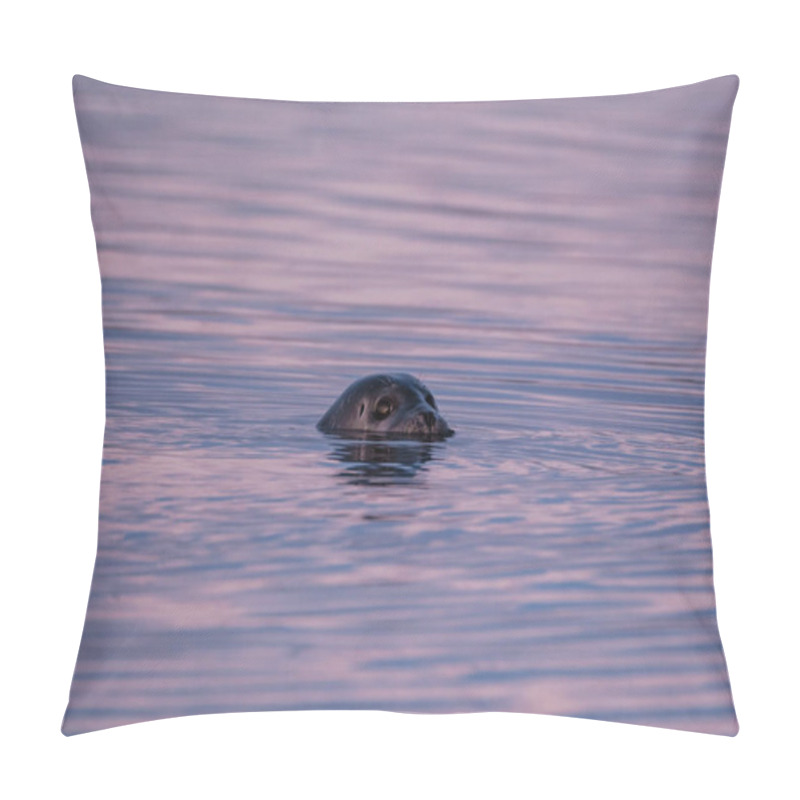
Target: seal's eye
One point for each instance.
(361, 412)
(383, 408)
(429, 400)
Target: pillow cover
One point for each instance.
(532, 275)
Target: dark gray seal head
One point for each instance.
(388, 405)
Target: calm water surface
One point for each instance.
(535, 270)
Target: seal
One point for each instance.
(390, 405)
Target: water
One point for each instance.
(543, 268)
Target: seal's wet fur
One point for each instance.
(393, 405)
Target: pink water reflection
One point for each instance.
(544, 269)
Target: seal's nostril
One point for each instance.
(430, 418)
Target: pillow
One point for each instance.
(404, 407)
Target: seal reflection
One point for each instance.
(382, 462)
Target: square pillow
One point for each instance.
(404, 407)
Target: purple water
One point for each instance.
(532, 265)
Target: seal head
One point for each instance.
(387, 405)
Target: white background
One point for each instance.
(51, 395)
